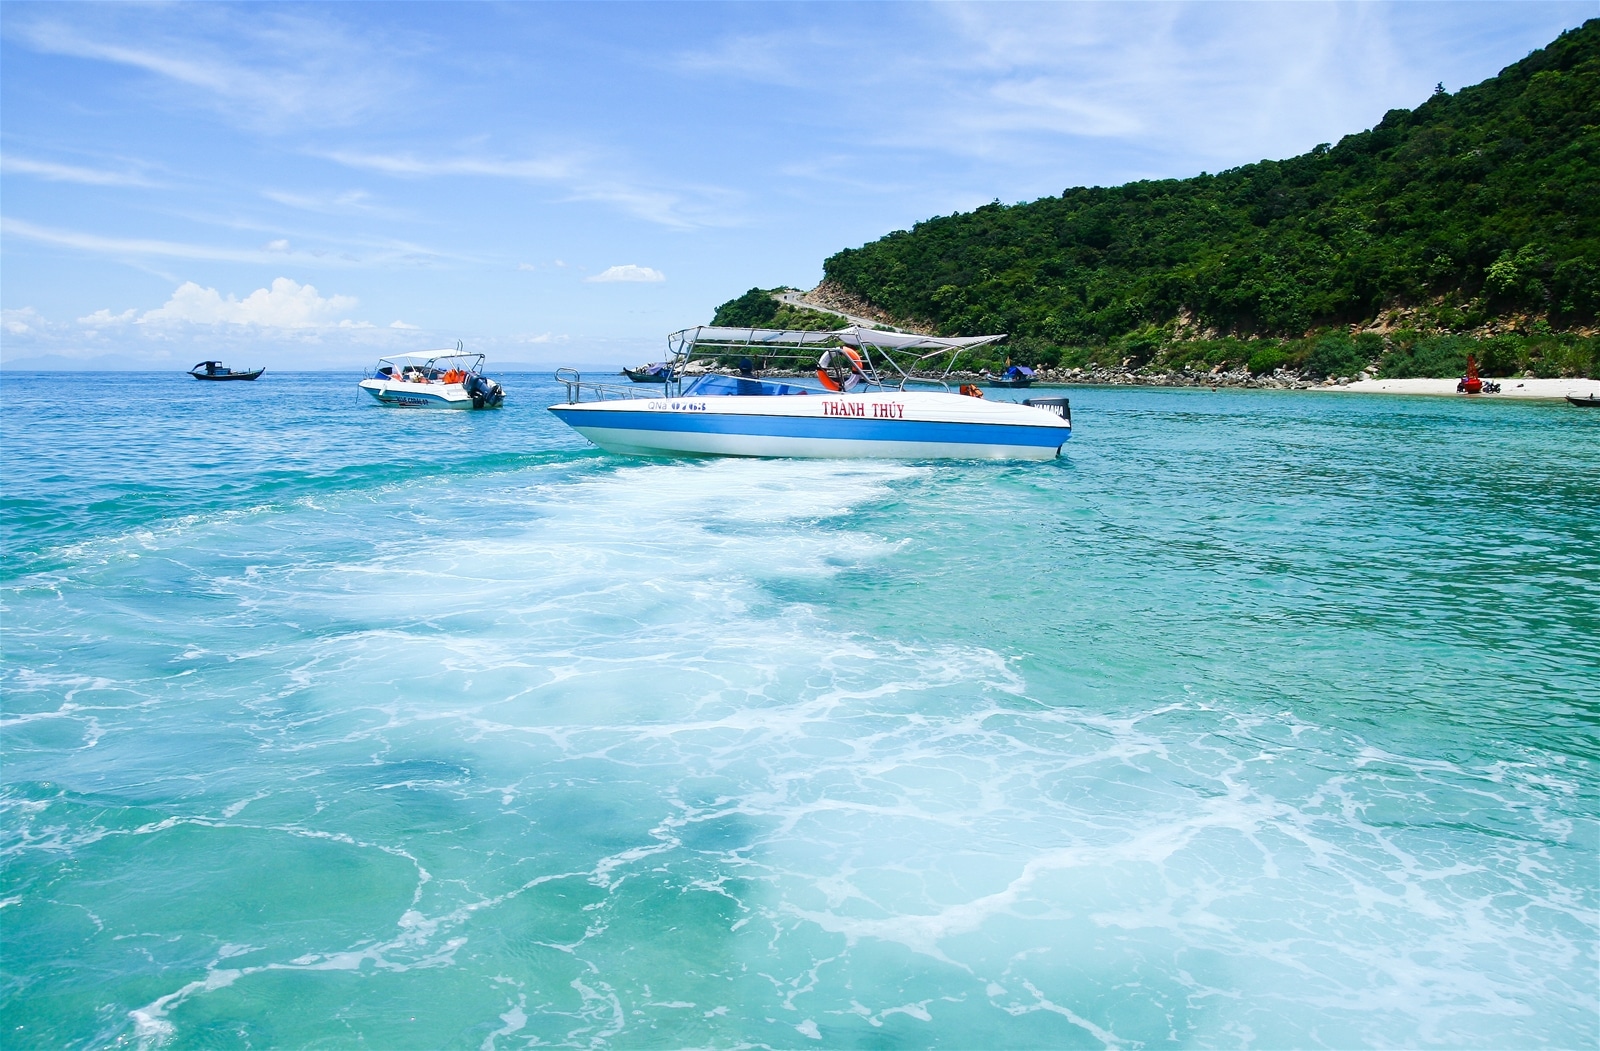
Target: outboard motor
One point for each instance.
(485, 392)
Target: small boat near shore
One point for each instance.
(1591, 401)
(1013, 376)
(858, 405)
(433, 379)
(216, 370)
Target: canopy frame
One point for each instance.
(887, 357)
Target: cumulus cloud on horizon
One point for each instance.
(287, 304)
(105, 317)
(628, 272)
(21, 321)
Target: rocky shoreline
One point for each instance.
(1281, 379)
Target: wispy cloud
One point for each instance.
(278, 71)
(343, 254)
(346, 202)
(1035, 88)
(124, 246)
(575, 176)
(54, 172)
(537, 169)
(628, 272)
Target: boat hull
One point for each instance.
(246, 376)
(418, 395)
(895, 425)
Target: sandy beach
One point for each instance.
(1509, 388)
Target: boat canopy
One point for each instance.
(901, 353)
(720, 336)
(850, 336)
(856, 336)
(429, 355)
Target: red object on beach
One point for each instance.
(1470, 383)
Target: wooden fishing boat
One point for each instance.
(1592, 401)
(656, 372)
(216, 370)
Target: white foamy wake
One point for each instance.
(771, 815)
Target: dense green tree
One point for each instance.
(1476, 206)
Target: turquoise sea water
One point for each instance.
(1258, 719)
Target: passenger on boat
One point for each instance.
(747, 377)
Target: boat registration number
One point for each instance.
(687, 406)
(877, 410)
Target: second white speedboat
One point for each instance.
(434, 379)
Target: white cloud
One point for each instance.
(70, 172)
(23, 321)
(526, 266)
(280, 245)
(402, 324)
(101, 318)
(287, 304)
(628, 272)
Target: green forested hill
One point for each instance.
(759, 308)
(1477, 207)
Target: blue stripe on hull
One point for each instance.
(833, 428)
(414, 401)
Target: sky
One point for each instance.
(309, 186)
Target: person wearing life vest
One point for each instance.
(841, 370)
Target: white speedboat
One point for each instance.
(860, 403)
(434, 379)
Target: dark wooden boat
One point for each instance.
(1591, 402)
(653, 373)
(215, 370)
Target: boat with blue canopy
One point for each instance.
(853, 392)
(1013, 376)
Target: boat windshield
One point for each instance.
(718, 383)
